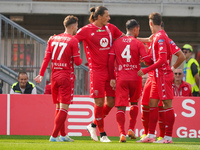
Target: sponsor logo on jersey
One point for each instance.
(99, 30)
(171, 42)
(160, 42)
(185, 88)
(104, 42)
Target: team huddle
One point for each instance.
(115, 75)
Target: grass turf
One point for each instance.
(19, 142)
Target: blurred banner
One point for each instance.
(34, 115)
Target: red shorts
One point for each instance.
(62, 87)
(162, 87)
(100, 85)
(127, 91)
(146, 92)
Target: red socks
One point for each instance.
(62, 129)
(120, 117)
(169, 121)
(145, 119)
(133, 116)
(99, 119)
(153, 119)
(162, 121)
(59, 121)
(106, 110)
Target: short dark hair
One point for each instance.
(131, 24)
(156, 18)
(162, 24)
(100, 10)
(70, 20)
(23, 72)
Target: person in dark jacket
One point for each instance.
(23, 86)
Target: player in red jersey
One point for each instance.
(146, 91)
(161, 88)
(180, 87)
(63, 51)
(127, 51)
(97, 39)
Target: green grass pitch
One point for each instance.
(19, 142)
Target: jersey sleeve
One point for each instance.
(116, 31)
(76, 52)
(160, 44)
(143, 53)
(46, 59)
(81, 34)
(174, 47)
(112, 52)
(111, 66)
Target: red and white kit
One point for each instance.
(127, 51)
(97, 43)
(147, 87)
(62, 50)
(163, 76)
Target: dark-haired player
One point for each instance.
(97, 39)
(127, 51)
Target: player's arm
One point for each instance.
(111, 66)
(144, 56)
(45, 63)
(180, 59)
(78, 61)
(146, 40)
(81, 34)
(162, 59)
(76, 53)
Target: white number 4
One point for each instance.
(64, 45)
(126, 53)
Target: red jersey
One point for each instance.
(183, 90)
(62, 50)
(128, 51)
(161, 54)
(174, 49)
(97, 43)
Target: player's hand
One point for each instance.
(38, 79)
(113, 83)
(151, 38)
(140, 73)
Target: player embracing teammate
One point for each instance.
(97, 38)
(162, 79)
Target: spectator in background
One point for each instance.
(191, 69)
(180, 87)
(23, 86)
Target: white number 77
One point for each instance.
(126, 53)
(64, 45)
